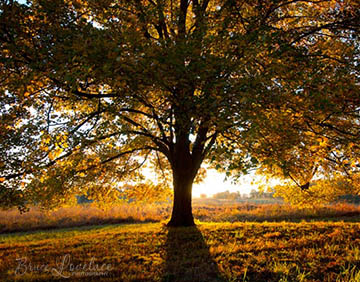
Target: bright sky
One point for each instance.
(215, 183)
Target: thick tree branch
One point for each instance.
(184, 4)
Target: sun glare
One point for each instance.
(215, 182)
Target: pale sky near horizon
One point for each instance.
(214, 183)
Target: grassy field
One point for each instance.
(232, 242)
(205, 210)
(306, 251)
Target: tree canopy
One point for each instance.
(93, 90)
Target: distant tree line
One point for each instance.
(228, 195)
(254, 194)
(352, 199)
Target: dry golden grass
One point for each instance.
(82, 215)
(277, 251)
(224, 251)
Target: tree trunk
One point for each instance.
(182, 211)
(185, 165)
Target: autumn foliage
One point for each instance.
(91, 91)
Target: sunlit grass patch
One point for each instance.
(87, 215)
(315, 251)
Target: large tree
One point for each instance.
(92, 90)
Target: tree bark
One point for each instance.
(184, 163)
(184, 166)
(182, 210)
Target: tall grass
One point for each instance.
(275, 212)
(89, 214)
(80, 215)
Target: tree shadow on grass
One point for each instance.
(188, 257)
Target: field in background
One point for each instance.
(306, 251)
(205, 210)
(232, 242)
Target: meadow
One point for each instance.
(205, 210)
(131, 243)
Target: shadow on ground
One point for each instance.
(187, 257)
